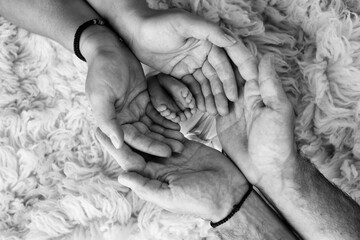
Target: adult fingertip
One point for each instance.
(232, 94)
(232, 40)
(251, 71)
(115, 141)
(229, 37)
(124, 179)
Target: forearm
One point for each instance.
(255, 220)
(314, 207)
(59, 21)
(122, 15)
(55, 19)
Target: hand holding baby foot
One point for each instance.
(117, 91)
(171, 98)
(185, 46)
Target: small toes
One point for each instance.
(172, 115)
(182, 117)
(192, 104)
(161, 108)
(165, 113)
(176, 119)
(187, 114)
(185, 93)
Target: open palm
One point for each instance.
(117, 91)
(199, 178)
(189, 48)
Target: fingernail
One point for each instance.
(230, 38)
(115, 141)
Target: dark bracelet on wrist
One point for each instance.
(235, 209)
(80, 30)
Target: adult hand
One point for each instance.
(258, 133)
(185, 46)
(117, 92)
(200, 181)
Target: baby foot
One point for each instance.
(171, 98)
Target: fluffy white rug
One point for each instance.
(57, 183)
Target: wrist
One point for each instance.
(96, 39)
(226, 206)
(282, 181)
(124, 16)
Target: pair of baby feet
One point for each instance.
(171, 98)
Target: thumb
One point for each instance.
(148, 189)
(270, 86)
(105, 115)
(190, 25)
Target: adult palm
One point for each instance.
(117, 91)
(189, 48)
(200, 181)
(185, 46)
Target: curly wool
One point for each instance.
(57, 183)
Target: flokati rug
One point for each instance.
(57, 183)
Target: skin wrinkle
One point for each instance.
(196, 44)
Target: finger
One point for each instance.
(271, 90)
(148, 189)
(197, 27)
(175, 145)
(105, 115)
(168, 133)
(252, 97)
(195, 90)
(125, 157)
(138, 140)
(220, 62)
(155, 169)
(245, 61)
(159, 119)
(217, 89)
(206, 91)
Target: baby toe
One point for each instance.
(182, 117)
(161, 108)
(172, 115)
(185, 93)
(192, 104)
(187, 114)
(165, 113)
(176, 119)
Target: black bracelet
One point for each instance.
(236, 208)
(80, 30)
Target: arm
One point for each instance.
(263, 147)
(255, 220)
(315, 207)
(201, 182)
(115, 81)
(54, 19)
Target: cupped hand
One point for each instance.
(187, 47)
(200, 181)
(258, 133)
(117, 91)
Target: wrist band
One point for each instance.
(78, 33)
(235, 209)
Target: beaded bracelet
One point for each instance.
(80, 30)
(235, 209)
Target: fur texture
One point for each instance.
(57, 183)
